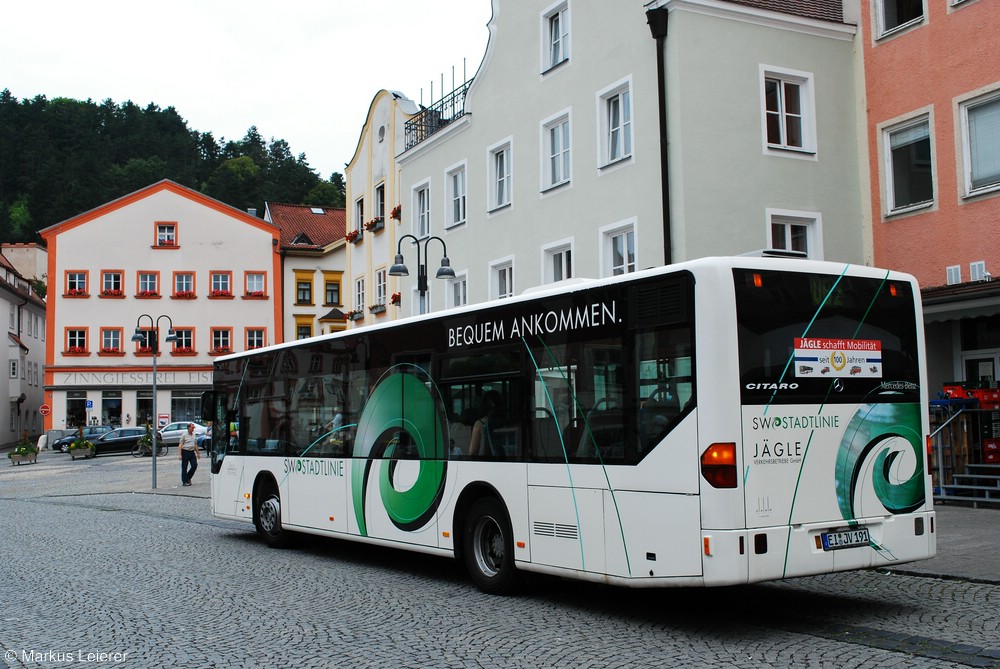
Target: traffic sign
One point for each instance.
(45, 409)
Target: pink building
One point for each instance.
(932, 72)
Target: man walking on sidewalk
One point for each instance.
(187, 453)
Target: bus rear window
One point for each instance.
(808, 338)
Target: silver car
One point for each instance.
(171, 433)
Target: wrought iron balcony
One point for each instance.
(438, 115)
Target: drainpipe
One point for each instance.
(657, 21)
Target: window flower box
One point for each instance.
(144, 350)
(396, 299)
(77, 292)
(113, 293)
(254, 295)
(184, 295)
(355, 315)
(354, 236)
(377, 308)
(110, 351)
(221, 350)
(168, 243)
(183, 350)
(76, 350)
(220, 295)
(396, 212)
(148, 295)
(375, 224)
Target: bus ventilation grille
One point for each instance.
(663, 303)
(558, 530)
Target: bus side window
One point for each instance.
(665, 382)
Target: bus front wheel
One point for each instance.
(488, 547)
(269, 520)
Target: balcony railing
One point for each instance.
(437, 116)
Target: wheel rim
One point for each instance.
(270, 515)
(488, 546)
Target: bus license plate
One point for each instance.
(847, 539)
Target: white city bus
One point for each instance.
(715, 422)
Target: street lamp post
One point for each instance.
(400, 269)
(152, 340)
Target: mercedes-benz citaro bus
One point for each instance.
(713, 422)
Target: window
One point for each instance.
(555, 31)
(359, 214)
(303, 292)
(381, 286)
(455, 183)
(616, 123)
(458, 291)
(502, 278)
(149, 284)
(558, 263)
(185, 340)
(184, 284)
(222, 284)
(76, 283)
(422, 205)
(380, 201)
(618, 254)
(331, 292)
(500, 175)
(303, 331)
(255, 338)
(788, 118)
(166, 234)
(222, 340)
(111, 340)
(112, 284)
(76, 340)
(954, 274)
(981, 120)
(894, 14)
(556, 143)
(13, 369)
(909, 179)
(977, 271)
(795, 231)
(256, 285)
(359, 294)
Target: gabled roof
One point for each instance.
(821, 10)
(164, 185)
(307, 228)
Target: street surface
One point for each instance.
(97, 571)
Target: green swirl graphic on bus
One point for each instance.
(401, 422)
(881, 442)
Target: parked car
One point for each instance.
(171, 433)
(118, 440)
(90, 432)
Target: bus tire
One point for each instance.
(268, 519)
(488, 547)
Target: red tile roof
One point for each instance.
(821, 10)
(320, 225)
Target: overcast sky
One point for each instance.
(300, 70)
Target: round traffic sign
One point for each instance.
(45, 409)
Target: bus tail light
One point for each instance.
(718, 465)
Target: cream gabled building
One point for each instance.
(163, 256)
(374, 211)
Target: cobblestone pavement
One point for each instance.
(97, 570)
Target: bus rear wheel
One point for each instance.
(488, 547)
(268, 520)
